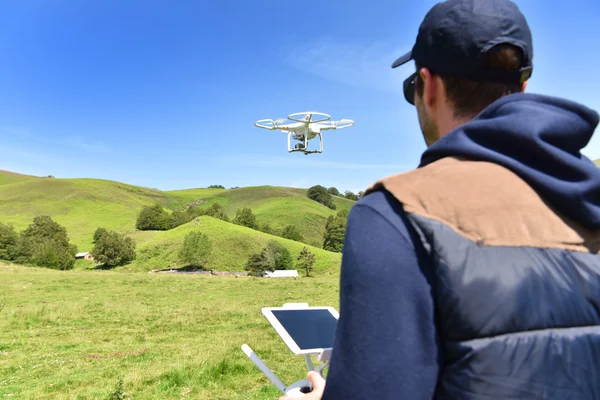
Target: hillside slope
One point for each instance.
(7, 177)
(231, 246)
(81, 205)
(277, 206)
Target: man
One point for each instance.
(475, 276)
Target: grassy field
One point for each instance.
(74, 334)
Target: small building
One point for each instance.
(85, 255)
(282, 273)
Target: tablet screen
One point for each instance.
(310, 329)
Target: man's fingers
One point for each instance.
(317, 381)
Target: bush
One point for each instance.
(282, 258)
(260, 263)
(9, 241)
(113, 249)
(291, 232)
(273, 256)
(99, 233)
(153, 218)
(266, 228)
(306, 261)
(335, 230)
(196, 249)
(215, 211)
(45, 243)
(333, 191)
(245, 217)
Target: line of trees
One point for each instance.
(275, 256)
(44, 243)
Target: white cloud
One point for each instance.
(364, 65)
(96, 147)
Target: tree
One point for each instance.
(113, 249)
(266, 228)
(306, 261)
(245, 217)
(216, 211)
(361, 193)
(153, 218)
(291, 232)
(9, 241)
(335, 229)
(260, 263)
(282, 258)
(99, 233)
(333, 191)
(349, 195)
(216, 187)
(45, 243)
(196, 249)
(320, 194)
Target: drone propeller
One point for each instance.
(310, 114)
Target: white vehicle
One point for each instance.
(304, 129)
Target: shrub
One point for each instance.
(245, 217)
(196, 249)
(291, 232)
(9, 240)
(260, 263)
(113, 249)
(45, 243)
(282, 258)
(153, 218)
(335, 230)
(306, 261)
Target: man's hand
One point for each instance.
(318, 384)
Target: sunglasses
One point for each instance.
(409, 88)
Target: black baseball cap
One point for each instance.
(456, 34)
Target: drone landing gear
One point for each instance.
(303, 146)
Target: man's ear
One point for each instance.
(430, 86)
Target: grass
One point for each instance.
(7, 177)
(74, 334)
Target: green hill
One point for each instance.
(232, 245)
(7, 177)
(82, 205)
(277, 206)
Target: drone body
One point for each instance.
(304, 129)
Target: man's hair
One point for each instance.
(468, 97)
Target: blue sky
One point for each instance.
(164, 93)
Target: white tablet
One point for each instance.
(305, 330)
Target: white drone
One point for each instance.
(304, 129)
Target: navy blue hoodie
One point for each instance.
(384, 270)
